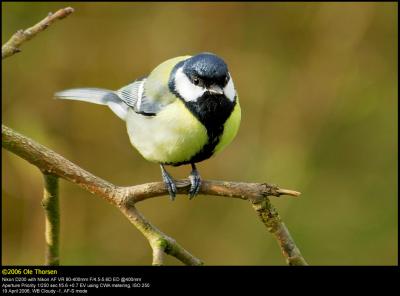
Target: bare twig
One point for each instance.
(49, 162)
(12, 46)
(50, 204)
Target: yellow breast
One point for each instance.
(173, 135)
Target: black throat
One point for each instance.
(212, 111)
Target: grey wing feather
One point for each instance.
(134, 95)
(149, 107)
(130, 93)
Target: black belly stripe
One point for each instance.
(212, 111)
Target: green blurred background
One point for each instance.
(318, 89)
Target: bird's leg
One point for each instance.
(195, 181)
(169, 183)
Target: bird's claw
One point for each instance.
(195, 181)
(169, 183)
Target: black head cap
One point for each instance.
(208, 67)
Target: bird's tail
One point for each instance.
(96, 96)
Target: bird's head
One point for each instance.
(203, 74)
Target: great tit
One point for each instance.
(183, 112)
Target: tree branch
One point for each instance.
(271, 219)
(158, 256)
(50, 204)
(125, 198)
(12, 46)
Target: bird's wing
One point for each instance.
(135, 97)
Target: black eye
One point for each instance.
(226, 80)
(196, 81)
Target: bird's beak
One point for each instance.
(215, 89)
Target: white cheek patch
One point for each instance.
(229, 90)
(187, 90)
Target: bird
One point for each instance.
(185, 111)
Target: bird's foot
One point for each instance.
(169, 183)
(195, 181)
